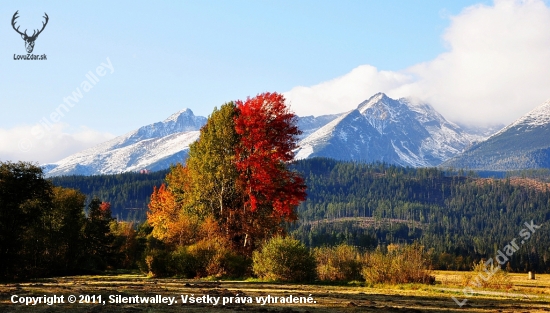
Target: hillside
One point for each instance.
(524, 144)
(128, 193)
(376, 204)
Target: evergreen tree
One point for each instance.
(97, 235)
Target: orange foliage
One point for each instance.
(170, 224)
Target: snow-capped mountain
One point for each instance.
(394, 131)
(523, 144)
(380, 129)
(152, 147)
(309, 124)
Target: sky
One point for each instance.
(111, 68)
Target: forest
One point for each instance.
(462, 218)
(459, 215)
(44, 230)
(128, 193)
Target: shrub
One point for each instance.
(211, 255)
(156, 262)
(483, 276)
(400, 265)
(340, 263)
(284, 259)
(182, 263)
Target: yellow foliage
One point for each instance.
(170, 223)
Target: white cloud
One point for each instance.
(37, 144)
(497, 69)
(343, 93)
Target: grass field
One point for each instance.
(523, 296)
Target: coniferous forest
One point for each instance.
(460, 217)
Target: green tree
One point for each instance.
(65, 229)
(25, 203)
(98, 238)
(211, 165)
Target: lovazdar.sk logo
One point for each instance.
(29, 40)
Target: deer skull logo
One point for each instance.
(29, 40)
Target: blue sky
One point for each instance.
(170, 55)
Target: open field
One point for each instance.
(524, 296)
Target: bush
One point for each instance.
(483, 276)
(182, 263)
(156, 262)
(400, 265)
(211, 255)
(214, 257)
(284, 259)
(340, 263)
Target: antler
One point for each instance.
(13, 24)
(43, 26)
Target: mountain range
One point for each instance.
(152, 147)
(396, 131)
(521, 145)
(393, 131)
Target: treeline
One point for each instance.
(128, 193)
(44, 229)
(463, 219)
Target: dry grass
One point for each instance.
(378, 298)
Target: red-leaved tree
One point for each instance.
(268, 134)
(237, 174)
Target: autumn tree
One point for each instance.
(236, 175)
(126, 244)
(268, 135)
(171, 223)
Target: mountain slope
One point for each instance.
(380, 129)
(383, 129)
(523, 144)
(152, 147)
(309, 124)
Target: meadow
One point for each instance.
(522, 295)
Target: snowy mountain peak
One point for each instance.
(384, 129)
(521, 145)
(153, 147)
(182, 113)
(400, 131)
(182, 121)
(539, 116)
(376, 100)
